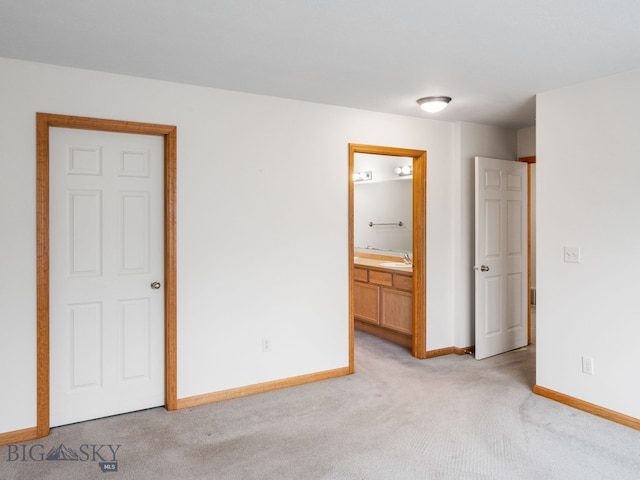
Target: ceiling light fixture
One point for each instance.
(433, 104)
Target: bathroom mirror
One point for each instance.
(382, 204)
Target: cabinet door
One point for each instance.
(403, 282)
(366, 302)
(361, 274)
(397, 309)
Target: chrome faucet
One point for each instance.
(406, 258)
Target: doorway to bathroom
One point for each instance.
(392, 272)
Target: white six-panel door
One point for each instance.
(106, 249)
(501, 256)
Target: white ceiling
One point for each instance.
(491, 56)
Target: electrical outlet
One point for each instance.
(587, 365)
(266, 344)
(572, 254)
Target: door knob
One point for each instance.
(155, 285)
(483, 268)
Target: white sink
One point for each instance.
(396, 264)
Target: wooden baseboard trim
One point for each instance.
(588, 407)
(260, 388)
(464, 350)
(19, 436)
(440, 352)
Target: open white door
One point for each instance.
(500, 256)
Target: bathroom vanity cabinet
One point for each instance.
(383, 302)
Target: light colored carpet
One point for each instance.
(397, 418)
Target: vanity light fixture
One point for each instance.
(404, 171)
(361, 176)
(433, 104)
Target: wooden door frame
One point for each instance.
(44, 121)
(419, 215)
(529, 161)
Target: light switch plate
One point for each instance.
(572, 254)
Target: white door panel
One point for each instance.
(501, 256)
(106, 241)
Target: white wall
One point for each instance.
(588, 149)
(262, 223)
(526, 138)
(472, 140)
